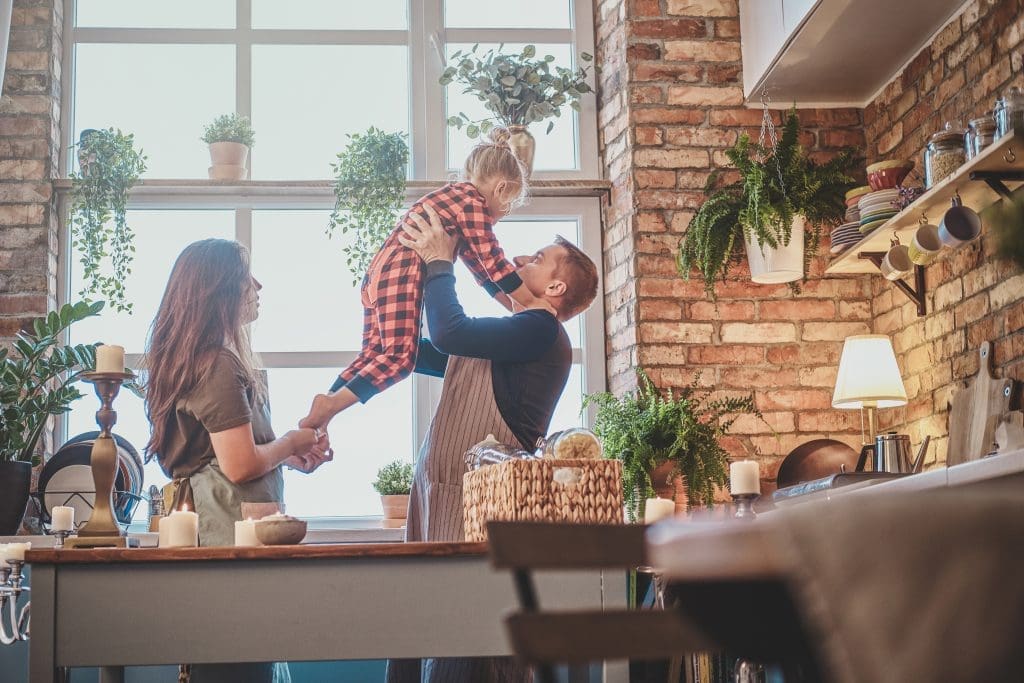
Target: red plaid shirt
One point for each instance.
(463, 212)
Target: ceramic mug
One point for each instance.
(897, 262)
(926, 245)
(960, 225)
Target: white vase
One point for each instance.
(770, 266)
(228, 153)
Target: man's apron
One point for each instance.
(465, 415)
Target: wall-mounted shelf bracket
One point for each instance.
(915, 293)
(995, 180)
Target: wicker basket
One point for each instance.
(525, 490)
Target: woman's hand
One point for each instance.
(311, 448)
(429, 240)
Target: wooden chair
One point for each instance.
(545, 638)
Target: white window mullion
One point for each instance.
(243, 227)
(586, 120)
(431, 66)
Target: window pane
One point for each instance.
(308, 301)
(494, 14)
(329, 14)
(567, 412)
(556, 151)
(301, 124)
(164, 94)
(517, 237)
(159, 238)
(156, 13)
(364, 437)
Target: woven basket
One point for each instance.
(524, 490)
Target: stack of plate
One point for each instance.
(876, 208)
(844, 236)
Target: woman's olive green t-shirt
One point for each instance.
(223, 399)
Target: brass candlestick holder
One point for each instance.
(102, 529)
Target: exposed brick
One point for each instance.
(681, 333)
(703, 8)
(675, 158)
(702, 50)
(796, 399)
(643, 51)
(648, 136)
(696, 95)
(667, 115)
(833, 331)
(669, 28)
(644, 8)
(724, 354)
(798, 309)
(659, 71)
(758, 333)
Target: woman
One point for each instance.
(208, 408)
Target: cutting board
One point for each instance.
(975, 411)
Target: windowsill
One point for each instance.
(324, 189)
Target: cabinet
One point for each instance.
(833, 53)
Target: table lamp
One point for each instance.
(869, 378)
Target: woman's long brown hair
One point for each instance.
(200, 315)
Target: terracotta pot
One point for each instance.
(668, 486)
(228, 172)
(396, 508)
(15, 478)
(523, 146)
(228, 154)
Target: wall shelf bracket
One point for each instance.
(915, 293)
(995, 180)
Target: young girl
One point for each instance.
(392, 290)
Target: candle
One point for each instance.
(62, 518)
(3, 555)
(14, 551)
(744, 477)
(658, 508)
(182, 528)
(164, 530)
(109, 358)
(245, 533)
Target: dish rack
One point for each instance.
(125, 503)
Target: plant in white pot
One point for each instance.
(518, 89)
(394, 482)
(230, 138)
(37, 377)
(775, 211)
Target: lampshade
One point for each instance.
(868, 374)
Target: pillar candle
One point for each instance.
(109, 358)
(62, 518)
(3, 555)
(245, 533)
(744, 477)
(182, 529)
(164, 530)
(658, 508)
(15, 551)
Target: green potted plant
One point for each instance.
(369, 190)
(230, 138)
(110, 167)
(394, 482)
(776, 210)
(37, 377)
(667, 441)
(518, 89)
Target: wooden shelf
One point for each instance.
(1005, 155)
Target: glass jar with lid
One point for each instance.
(944, 154)
(981, 132)
(1009, 112)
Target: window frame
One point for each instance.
(575, 199)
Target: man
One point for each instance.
(504, 377)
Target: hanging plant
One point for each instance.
(110, 167)
(369, 189)
(517, 88)
(777, 184)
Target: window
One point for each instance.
(309, 72)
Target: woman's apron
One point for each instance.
(465, 415)
(218, 502)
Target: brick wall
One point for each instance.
(971, 296)
(29, 117)
(670, 103)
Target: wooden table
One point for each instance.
(110, 608)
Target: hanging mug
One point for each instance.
(925, 246)
(897, 262)
(960, 225)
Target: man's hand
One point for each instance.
(429, 240)
(320, 413)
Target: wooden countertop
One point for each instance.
(280, 552)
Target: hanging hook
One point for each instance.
(1008, 156)
(924, 219)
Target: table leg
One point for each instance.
(42, 646)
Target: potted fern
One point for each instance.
(37, 377)
(519, 89)
(230, 138)
(110, 167)
(668, 441)
(369, 189)
(776, 210)
(394, 482)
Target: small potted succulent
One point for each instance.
(230, 138)
(518, 89)
(394, 482)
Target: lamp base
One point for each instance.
(96, 542)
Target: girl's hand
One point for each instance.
(428, 239)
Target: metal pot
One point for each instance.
(891, 453)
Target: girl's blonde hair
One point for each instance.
(495, 159)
